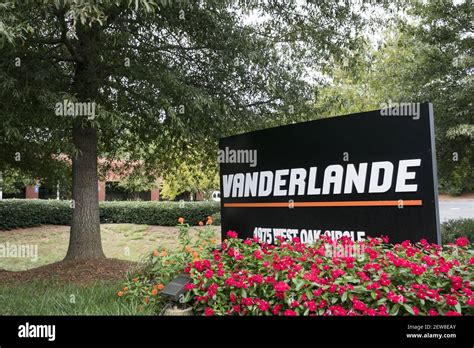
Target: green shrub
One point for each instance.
(32, 212)
(455, 228)
(156, 213)
(29, 213)
(216, 218)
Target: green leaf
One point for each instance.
(299, 284)
(408, 309)
(344, 296)
(394, 310)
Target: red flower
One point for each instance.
(358, 305)
(395, 298)
(231, 234)
(209, 312)
(417, 270)
(295, 304)
(372, 286)
(233, 298)
(337, 273)
(189, 286)
(247, 301)
(212, 290)
(276, 309)
(456, 282)
(432, 312)
(281, 287)
(311, 305)
(209, 273)
(263, 305)
(383, 310)
(338, 310)
(405, 244)
(317, 292)
(462, 241)
(470, 301)
(290, 313)
(257, 278)
(451, 300)
(257, 254)
(452, 314)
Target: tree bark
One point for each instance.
(85, 240)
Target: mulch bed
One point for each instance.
(69, 271)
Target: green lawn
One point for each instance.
(120, 241)
(38, 298)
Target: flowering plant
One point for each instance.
(144, 284)
(291, 278)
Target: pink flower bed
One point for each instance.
(334, 278)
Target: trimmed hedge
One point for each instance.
(28, 213)
(156, 213)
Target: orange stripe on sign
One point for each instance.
(325, 204)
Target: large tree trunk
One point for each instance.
(85, 241)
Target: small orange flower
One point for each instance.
(181, 220)
(213, 241)
(196, 259)
(146, 299)
(154, 292)
(155, 253)
(200, 223)
(125, 289)
(120, 294)
(195, 254)
(201, 248)
(164, 253)
(209, 220)
(188, 249)
(159, 286)
(135, 280)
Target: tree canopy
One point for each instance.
(165, 79)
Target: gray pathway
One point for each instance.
(461, 208)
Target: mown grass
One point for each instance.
(120, 241)
(39, 298)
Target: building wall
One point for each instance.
(32, 192)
